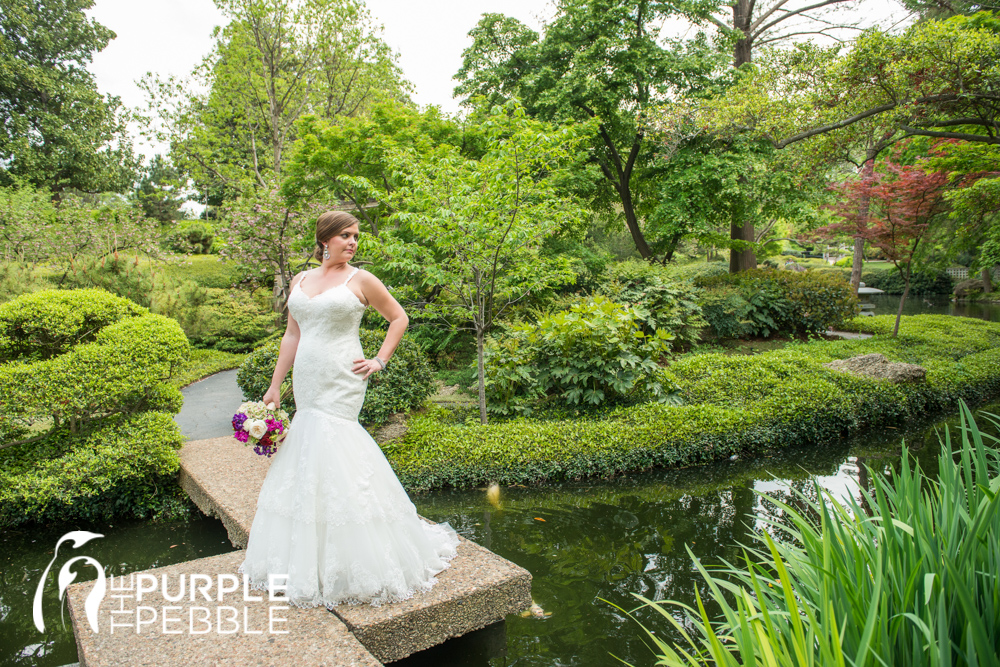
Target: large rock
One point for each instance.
(878, 367)
(967, 287)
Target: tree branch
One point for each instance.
(755, 32)
(978, 138)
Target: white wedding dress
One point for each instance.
(331, 513)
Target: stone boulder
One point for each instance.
(967, 287)
(878, 367)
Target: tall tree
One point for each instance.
(749, 25)
(56, 130)
(157, 192)
(475, 229)
(275, 61)
(605, 60)
(936, 79)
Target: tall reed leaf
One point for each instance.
(909, 576)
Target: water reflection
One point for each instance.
(584, 541)
(580, 540)
(937, 304)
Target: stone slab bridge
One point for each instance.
(223, 478)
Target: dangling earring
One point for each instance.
(326, 252)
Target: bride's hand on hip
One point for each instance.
(366, 366)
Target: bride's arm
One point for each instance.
(286, 356)
(379, 298)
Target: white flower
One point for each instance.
(256, 428)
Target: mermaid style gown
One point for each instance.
(331, 513)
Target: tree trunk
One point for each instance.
(741, 260)
(902, 300)
(987, 277)
(633, 222)
(278, 294)
(867, 173)
(858, 263)
(482, 382)
(743, 50)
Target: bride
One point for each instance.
(332, 519)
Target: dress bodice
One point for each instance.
(322, 379)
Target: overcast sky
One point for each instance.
(171, 37)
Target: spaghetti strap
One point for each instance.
(356, 269)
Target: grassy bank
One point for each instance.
(734, 404)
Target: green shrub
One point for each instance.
(113, 273)
(125, 468)
(843, 262)
(92, 370)
(121, 371)
(661, 303)
(778, 301)
(404, 384)
(593, 352)
(911, 577)
(743, 404)
(730, 314)
(926, 282)
(692, 272)
(17, 278)
(120, 363)
(193, 237)
(44, 324)
(228, 321)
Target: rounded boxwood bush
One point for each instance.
(404, 384)
(44, 324)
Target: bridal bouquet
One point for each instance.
(261, 426)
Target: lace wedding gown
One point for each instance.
(331, 513)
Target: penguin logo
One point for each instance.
(66, 577)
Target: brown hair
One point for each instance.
(329, 225)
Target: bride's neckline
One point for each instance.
(329, 289)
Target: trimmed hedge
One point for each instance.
(127, 467)
(744, 404)
(761, 302)
(123, 370)
(890, 282)
(93, 370)
(44, 324)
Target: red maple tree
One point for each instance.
(903, 202)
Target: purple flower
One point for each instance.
(238, 420)
(242, 435)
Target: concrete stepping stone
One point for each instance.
(223, 477)
(160, 633)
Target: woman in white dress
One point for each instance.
(331, 514)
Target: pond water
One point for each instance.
(888, 304)
(581, 541)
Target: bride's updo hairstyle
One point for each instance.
(330, 224)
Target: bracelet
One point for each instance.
(380, 362)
